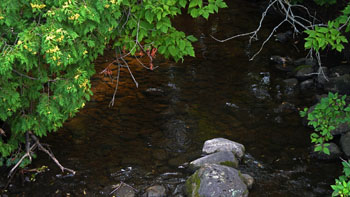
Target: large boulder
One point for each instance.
(223, 157)
(222, 144)
(339, 84)
(341, 129)
(216, 180)
(345, 143)
(339, 70)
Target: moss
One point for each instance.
(301, 67)
(193, 184)
(229, 164)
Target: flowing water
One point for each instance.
(151, 132)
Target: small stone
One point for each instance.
(155, 191)
(307, 85)
(120, 189)
(248, 180)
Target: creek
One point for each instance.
(153, 130)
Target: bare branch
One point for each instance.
(42, 148)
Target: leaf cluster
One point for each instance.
(326, 116)
(342, 184)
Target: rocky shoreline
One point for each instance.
(305, 75)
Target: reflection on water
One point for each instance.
(152, 131)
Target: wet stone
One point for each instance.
(290, 86)
(345, 143)
(307, 85)
(120, 189)
(285, 107)
(341, 129)
(304, 73)
(339, 84)
(339, 70)
(305, 61)
(160, 154)
(155, 191)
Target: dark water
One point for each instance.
(153, 130)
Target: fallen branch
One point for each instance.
(42, 148)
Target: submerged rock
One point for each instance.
(283, 37)
(304, 73)
(222, 144)
(120, 189)
(305, 61)
(339, 70)
(307, 85)
(345, 143)
(341, 129)
(155, 191)
(290, 86)
(223, 157)
(285, 107)
(216, 180)
(339, 84)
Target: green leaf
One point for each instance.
(149, 16)
(182, 3)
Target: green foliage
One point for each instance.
(321, 37)
(326, 116)
(342, 184)
(47, 49)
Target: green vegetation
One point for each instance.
(332, 110)
(47, 48)
(327, 115)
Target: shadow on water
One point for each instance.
(153, 130)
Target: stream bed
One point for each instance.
(150, 133)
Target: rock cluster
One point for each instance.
(306, 75)
(216, 174)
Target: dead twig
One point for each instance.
(42, 148)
